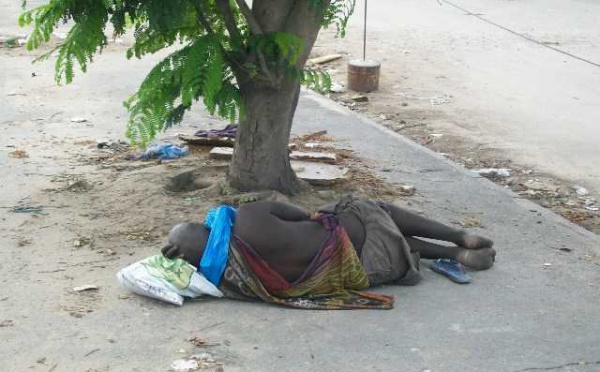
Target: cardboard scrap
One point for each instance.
(221, 153)
(208, 141)
(318, 173)
(323, 157)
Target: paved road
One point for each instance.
(539, 106)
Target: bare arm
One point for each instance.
(288, 212)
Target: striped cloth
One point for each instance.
(332, 281)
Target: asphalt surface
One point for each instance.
(523, 76)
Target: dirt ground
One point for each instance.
(418, 116)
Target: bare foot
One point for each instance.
(480, 259)
(472, 241)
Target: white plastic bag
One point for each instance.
(165, 279)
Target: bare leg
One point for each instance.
(411, 224)
(480, 259)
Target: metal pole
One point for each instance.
(365, 34)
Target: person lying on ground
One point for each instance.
(282, 254)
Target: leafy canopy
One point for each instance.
(218, 47)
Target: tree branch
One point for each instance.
(303, 21)
(230, 22)
(254, 28)
(203, 21)
(271, 14)
(247, 13)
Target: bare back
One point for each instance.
(284, 236)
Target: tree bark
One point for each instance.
(261, 156)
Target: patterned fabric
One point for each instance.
(332, 281)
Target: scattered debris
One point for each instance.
(493, 172)
(359, 98)
(184, 365)
(407, 190)
(138, 235)
(440, 100)
(312, 136)
(337, 88)
(324, 59)
(12, 41)
(198, 342)
(78, 120)
(85, 288)
(18, 154)
(316, 145)
(108, 252)
(574, 215)
(319, 174)
(22, 242)
(78, 185)
(206, 361)
(85, 142)
(196, 362)
(117, 146)
(468, 222)
(27, 209)
(538, 185)
(90, 353)
(7, 323)
(82, 241)
(161, 151)
(221, 153)
(208, 141)
(581, 191)
(320, 157)
(41, 360)
(348, 104)
(72, 182)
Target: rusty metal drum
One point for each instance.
(363, 75)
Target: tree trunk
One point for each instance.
(261, 156)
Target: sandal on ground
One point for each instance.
(450, 269)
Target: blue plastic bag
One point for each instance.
(216, 253)
(165, 151)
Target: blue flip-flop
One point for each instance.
(450, 269)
